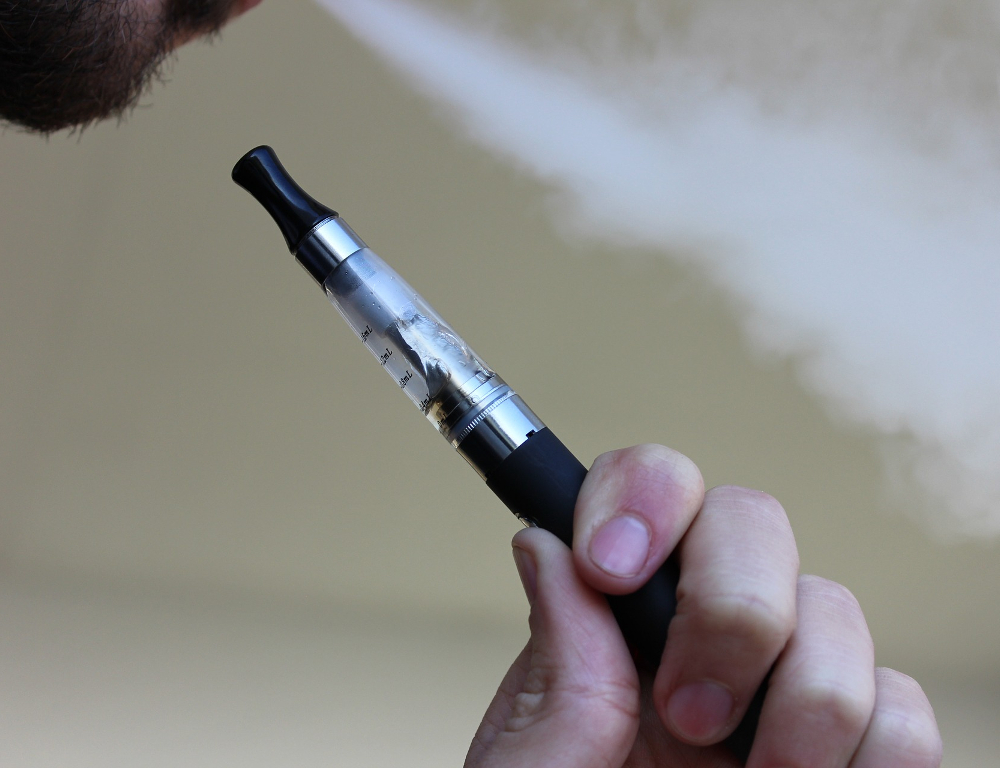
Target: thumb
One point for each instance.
(572, 697)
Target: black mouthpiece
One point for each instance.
(296, 213)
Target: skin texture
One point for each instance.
(573, 697)
(68, 63)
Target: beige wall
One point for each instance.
(182, 412)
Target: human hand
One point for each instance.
(573, 697)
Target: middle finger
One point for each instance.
(736, 609)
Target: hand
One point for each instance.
(573, 697)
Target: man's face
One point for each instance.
(68, 63)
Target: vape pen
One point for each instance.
(493, 429)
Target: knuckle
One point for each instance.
(910, 735)
(524, 710)
(604, 462)
(658, 462)
(834, 598)
(840, 707)
(649, 478)
(904, 721)
(759, 623)
(671, 473)
(759, 515)
(598, 709)
(757, 503)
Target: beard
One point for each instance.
(117, 50)
(185, 17)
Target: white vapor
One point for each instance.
(842, 187)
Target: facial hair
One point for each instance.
(69, 63)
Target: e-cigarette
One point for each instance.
(475, 410)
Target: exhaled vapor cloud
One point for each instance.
(832, 166)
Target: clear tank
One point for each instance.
(429, 361)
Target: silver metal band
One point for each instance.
(332, 241)
(497, 431)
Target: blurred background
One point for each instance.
(224, 537)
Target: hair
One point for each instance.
(68, 63)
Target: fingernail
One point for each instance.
(699, 711)
(621, 546)
(528, 572)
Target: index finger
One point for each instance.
(633, 509)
